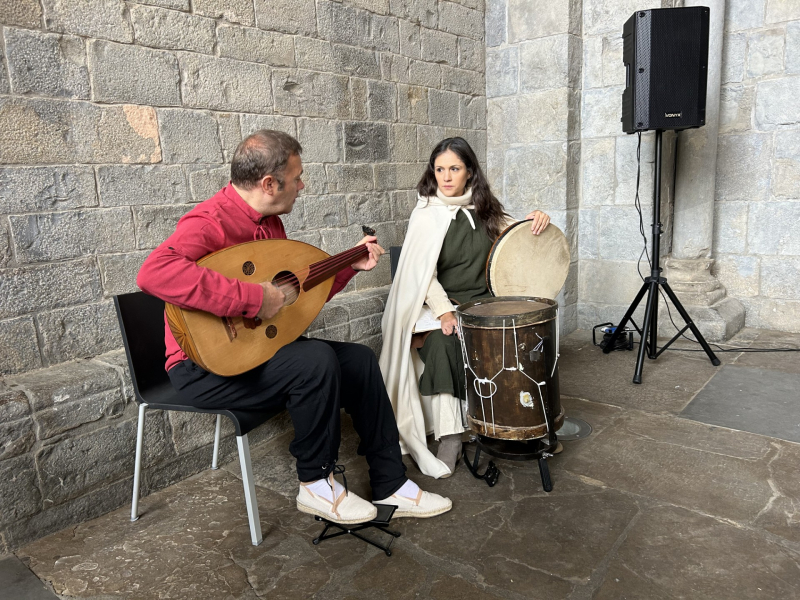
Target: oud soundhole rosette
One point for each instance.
(289, 284)
(272, 331)
(248, 268)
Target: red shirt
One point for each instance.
(171, 272)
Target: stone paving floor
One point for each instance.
(652, 505)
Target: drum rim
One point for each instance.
(496, 246)
(515, 433)
(494, 321)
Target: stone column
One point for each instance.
(533, 79)
(689, 266)
(697, 156)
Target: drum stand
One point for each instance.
(649, 331)
(539, 449)
(490, 475)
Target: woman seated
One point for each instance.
(443, 262)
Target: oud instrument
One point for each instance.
(232, 345)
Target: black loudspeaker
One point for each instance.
(665, 51)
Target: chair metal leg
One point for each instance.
(249, 489)
(216, 444)
(137, 469)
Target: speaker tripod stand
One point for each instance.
(651, 285)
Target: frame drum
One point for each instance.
(522, 264)
(510, 350)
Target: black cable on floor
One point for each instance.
(720, 349)
(735, 349)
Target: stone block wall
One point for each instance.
(115, 119)
(757, 213)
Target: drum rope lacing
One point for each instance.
(480, 381)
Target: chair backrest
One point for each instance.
(141, 321)
(394, 259)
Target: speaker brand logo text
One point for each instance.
(673, 115)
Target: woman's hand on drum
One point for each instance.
(539, 220)
(449, 323)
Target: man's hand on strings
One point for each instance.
(274, 299)
(539, 221)
(370, 261)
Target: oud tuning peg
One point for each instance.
(367, 230)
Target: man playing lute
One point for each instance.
(312, 378)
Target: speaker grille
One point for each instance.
(675, 68)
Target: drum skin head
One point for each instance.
(506, 311)
(508, 308)
(523, 264)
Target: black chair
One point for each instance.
(394, 259)
(141, 321)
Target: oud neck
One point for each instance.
(325, 269)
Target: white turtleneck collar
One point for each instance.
(453, 203)
(463, 200)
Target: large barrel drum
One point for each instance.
(510, 359)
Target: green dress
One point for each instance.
(461, 269)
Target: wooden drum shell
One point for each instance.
(518, 411)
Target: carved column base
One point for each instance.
(717, 316)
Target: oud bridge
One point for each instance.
(230, 326)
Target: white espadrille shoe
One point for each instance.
(426, 504)
(347, 509)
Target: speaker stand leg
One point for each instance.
(647, 334)
(685, 316)
(631, 309)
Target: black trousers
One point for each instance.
(313, 379)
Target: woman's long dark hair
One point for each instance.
(489, 209)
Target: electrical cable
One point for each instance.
(721, 349)
(638, 204)
(735, 349)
